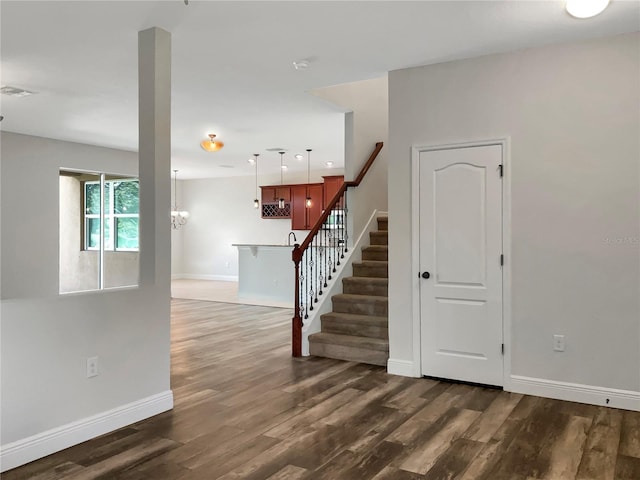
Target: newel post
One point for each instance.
(296, 321)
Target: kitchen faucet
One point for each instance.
(289, 238)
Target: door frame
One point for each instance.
(505, 142)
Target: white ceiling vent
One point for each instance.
(15, 91)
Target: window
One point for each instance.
(98, 231)
(121, 215)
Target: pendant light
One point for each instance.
(307, 202)
(281, 200)
(256, 202)
(178, 217)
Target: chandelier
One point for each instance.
(178, 217)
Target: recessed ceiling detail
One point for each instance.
(15, 91)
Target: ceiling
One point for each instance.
(232, 66)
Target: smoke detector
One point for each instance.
(15, 91)
(301, 64)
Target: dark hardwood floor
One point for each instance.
(245, 409)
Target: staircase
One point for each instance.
(357, 328)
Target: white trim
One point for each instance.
(42, 444)
(575, 392)
(189, 276)
(505, 143)
(404, 368)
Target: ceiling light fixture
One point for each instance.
(307, 202)
(178, 217)
(329, 164)
(585, 8)
(298, 156)
(281, 200)
(301, 64)
(256, 202)
(211, 145)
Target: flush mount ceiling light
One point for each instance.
(585, 8)
(329, 164)
(298, 156)
(211, 145)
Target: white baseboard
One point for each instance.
(404, 368)
(42, 444)
(222, 278)
(575, 392)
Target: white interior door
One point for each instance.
(460, 249)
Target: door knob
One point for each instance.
(426, 275)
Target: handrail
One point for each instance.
(299, 250)
(334, 201)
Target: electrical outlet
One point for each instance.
(92, 367)
(558, 343)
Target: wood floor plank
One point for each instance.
(488, 459)
(568, 450)
(428, 453)
(60, 471)
(455, 460)
(290, 472)
(110, 467)
(601, 449)
(244, 409)
(493, 417)
(630, 435)
(627, 468)
(524, 456)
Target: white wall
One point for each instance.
(572, 113)
(367, 122)
(221, 213)
(46, 337)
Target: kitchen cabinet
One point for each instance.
(273, 193)
(303, 217)
(331, 186)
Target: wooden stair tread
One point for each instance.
(381, 248)
(368, 343)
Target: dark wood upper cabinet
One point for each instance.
(273, 193)
(332, 184)
(304, 217)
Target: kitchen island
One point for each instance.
(266, 274)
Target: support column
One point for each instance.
(154, 123)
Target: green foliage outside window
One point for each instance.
(125, 197)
